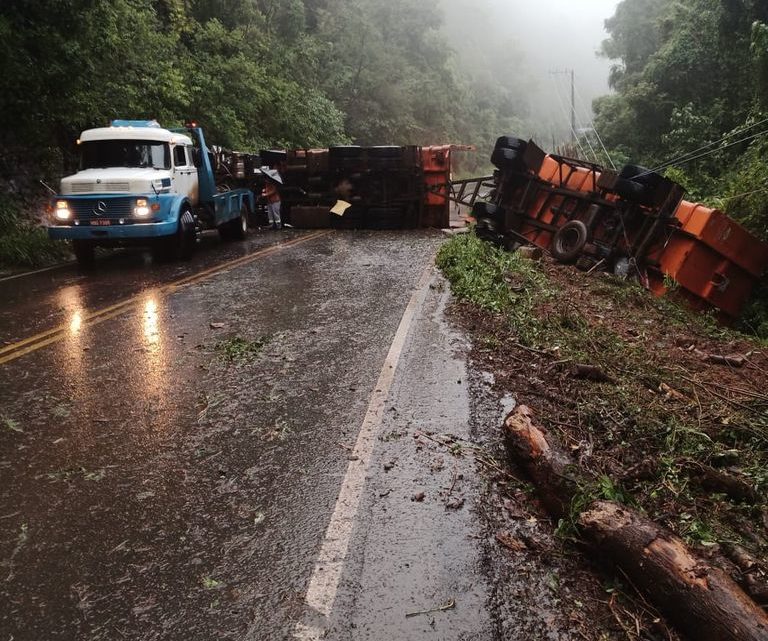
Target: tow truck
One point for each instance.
(141, 184)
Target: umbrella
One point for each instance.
(272, 174)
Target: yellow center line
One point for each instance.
(21, 348)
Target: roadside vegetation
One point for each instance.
(691, 96)
(666, 410)
(23, 243)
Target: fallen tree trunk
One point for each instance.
(701, 600)
(549, 467)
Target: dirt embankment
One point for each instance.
(663, 410)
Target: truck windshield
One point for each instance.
(99, 154)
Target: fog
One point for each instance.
(527, 45)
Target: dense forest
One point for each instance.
(256, 72)
(691, 98)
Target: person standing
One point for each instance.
(272, 194)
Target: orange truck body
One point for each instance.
(713, 260)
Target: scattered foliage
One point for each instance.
(241, 350)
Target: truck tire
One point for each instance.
(240, 225)
(486, 210)
(345, 151)
(569, 241)
(384, 158)
(180, 246)
(630, 190)
(511, 159)
(385, 151)
(186, 241)
(85, 253)
(235, 229)
(510, 142)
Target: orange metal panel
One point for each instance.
(550, 168)
(706, 273)
(724, 235)
(436, 164)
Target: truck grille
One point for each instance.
(106, 207)
(111, 187)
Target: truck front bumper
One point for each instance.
(115, 232)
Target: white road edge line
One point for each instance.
(324, 583)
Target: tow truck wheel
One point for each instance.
(85, 252)
(240, 225)
(179, 246)
(186, 237)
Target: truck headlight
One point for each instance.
(63, 212)
(141, 210)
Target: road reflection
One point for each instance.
(76, 323)
(151, 322)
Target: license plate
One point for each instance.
(101, 222)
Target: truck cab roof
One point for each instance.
(130, 132)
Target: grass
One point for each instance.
(23, 243)
(12, 425)
(552, 317)
(495, 280)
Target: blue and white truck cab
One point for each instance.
(141, 184)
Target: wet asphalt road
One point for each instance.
(151, 487)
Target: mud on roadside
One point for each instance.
(668, 431)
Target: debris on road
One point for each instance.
(450, 605)
(701, 599)
(455, 504)
(510, 542)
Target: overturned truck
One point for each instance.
(384, 187)
(632, 221)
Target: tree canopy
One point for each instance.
(692, 76)
(256, 72)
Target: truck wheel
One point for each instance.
(240, 225)
(510, 142)
(85, 253)
(630, 190)
(569, 241)
(235, 229)
(511, 159)
(186, 236)
(181, 245)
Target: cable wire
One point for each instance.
(746, 193)
(579, 123)
(704, 155)
(565, 115)
(683, 157)
(592, 124)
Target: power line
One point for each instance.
(684, 157)
(686, 160)
(592, 124)
(586, 136)
(565, 113)
(746, 193)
